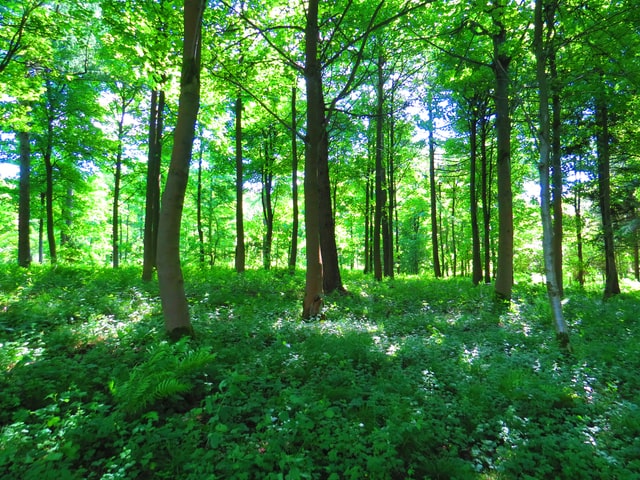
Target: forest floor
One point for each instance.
(409, 378)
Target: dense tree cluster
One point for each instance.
(459, 138)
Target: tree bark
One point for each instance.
(367, 221)
(152, 197)
(504, 272)
(312, 303)
(267, 204)
(41, 229)
(612, 286)
(432, 194)
(476, 275)
(580, 275)
(293, 254)
(24, 206)
(379, 230)
(240, 245)
(170, 277)
(332, 280)
(544, 165)
(199, 224)
(485, 192)
(556, 168)
(48, 166)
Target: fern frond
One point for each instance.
(168, 388)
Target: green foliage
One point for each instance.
(169, 372)
(409, 378)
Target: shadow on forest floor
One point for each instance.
(410, 378)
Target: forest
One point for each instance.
(389, 239)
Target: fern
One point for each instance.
(168, 373)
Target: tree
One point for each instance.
(293, 255)
(316, 135)
(152, 186)
(437, 271)
(240, 258)
(501, 61)
(170, 277)
(13, 27)
(612, 286)
(544, 15)
(24, 215)
(125, 96)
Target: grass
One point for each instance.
(410, 378)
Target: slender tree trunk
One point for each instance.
(454, 247)
(388, 249)
(380, 188)
(636, 257)
(604, 195)
(115, 239)
(240, 245)
(267, 204)
(367, 222)
(473, 199)
(200, 226)
(485, 189)
(504, 273)
(556, 168)
(293, 254)
(332, 280)
(544, 165)
(41, 228)
(152, 197)
(48, 166)
(443, 232)
(24, 206)
(171, 281)
(432, 193)
(312, 303)
(577, 207)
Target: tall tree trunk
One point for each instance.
(504, 272)
(240, 245)
(152, 197)
(367, 221)
(556, 167)
(388, 245)
(380, 188)
(580, 275)
(454, 247)
(24, 205)
(432, 193)
(485, 192)
(443, 232)
(604, 195)
(544, 165)
(332, 280)
(48, 166)
(41, 228)
(267, 204)
(171, 281)
(115, 238)
(476, 274)
(293, 253)
(312, 303)
(199, 224)
(636, 256)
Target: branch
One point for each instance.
(233, 79)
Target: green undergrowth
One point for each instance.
(409, 378)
